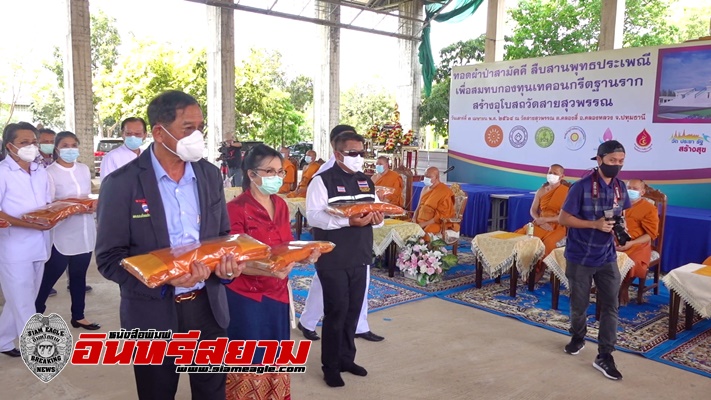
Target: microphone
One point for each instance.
(448, 170)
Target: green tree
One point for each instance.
(282, 128)
(434, 110)
(554, 27)
(301, 91)
(364, 106)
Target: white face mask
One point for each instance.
(27, 153)
(308, 159)
(354, 164)
(189, 148)
(552, 178)
(427, 181)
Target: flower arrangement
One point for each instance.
(425, 259)
(390, 136)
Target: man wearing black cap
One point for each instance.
(590, 252)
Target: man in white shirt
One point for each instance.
(313, 309)
(133, 130)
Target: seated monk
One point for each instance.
(289, 169)
(546, 207)
(309, 171)
(384, 176)
(642, 223)
(436, 202)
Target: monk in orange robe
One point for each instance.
(546, 208)
(707, 261)
(384, 176)
(307, 175)
(290, 170)
(436, 202)
(642, 223)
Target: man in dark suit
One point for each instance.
(168, 197)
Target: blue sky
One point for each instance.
(686, 69)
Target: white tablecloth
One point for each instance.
(692, 282)
(499, 250)
(394, 230)
(556, 263)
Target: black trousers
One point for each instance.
(343, 292)
(158, 382)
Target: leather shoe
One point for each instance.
(308, 334)
(91, 327)
(370, 336)
(12, 353)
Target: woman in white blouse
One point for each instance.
(23, 246)
(74, 238)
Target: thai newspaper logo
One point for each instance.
(544, 137)
(189, 353)
(494, 136)
(574, 138)
(518, 136)
(643, 142)
(46, 345)
(690, 142)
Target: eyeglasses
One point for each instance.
(272, 172)
(353, 153)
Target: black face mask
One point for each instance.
(610, 171)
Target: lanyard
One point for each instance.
(596, 188)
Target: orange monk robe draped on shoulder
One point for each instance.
(306, 177)
(549, 205)
(290, 176)
(393, 180)
(641, 218)
(437, 203)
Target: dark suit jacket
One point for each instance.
(131, 221)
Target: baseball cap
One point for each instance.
(611, 146)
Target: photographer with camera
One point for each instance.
(642, 225)
(589, 213)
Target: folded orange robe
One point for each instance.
(350, 209)
(292, 252)
(90, 203)
(160, 266)
(52, 213)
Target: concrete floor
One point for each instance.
(434, 349)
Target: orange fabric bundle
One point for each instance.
(4, 224)
(350, 209)
(90, 203)
(160, 266)
(52, 213)
(292, 252)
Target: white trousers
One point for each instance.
(313, 310)
(20, 284)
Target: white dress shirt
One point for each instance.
(116, 159)
(316, 204)
(76, 234)
(21, 193)
(328, 164)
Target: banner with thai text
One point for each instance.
(511, 120)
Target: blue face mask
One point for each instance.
(634, 194)
(133, 142)
(46, 148)
(69, 155)
(271, 184)
(379, 169)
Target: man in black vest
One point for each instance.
(343, 271)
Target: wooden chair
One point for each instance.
(460, 203)
(658, 199)
(407, 180)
